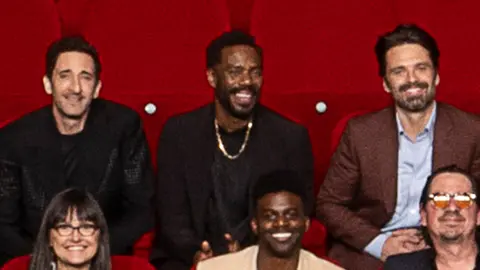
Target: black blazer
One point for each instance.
(419, 260)
(113, 164)
(185, 156)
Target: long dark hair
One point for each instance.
(87, 209)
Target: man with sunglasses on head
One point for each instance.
(449, 217)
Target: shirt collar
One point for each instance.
(428, 127)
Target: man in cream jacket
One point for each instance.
(279, 222)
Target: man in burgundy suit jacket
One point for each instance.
(369, 199)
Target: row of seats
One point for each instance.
(118, 263)
(315, 51)
(157, 47)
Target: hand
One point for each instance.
(233, 245)
(402, 241)
(416, 242)
(204, 253)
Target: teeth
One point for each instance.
(281, 235)
(242, 95)
(76, 248)
(413, 89)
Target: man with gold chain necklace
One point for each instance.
(209, 158)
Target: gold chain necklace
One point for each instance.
(222, 147)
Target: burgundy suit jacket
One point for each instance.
(359, 193)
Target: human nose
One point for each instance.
(452, 205)
(76, 234)
(280, 222)
(76, 86)
(246, 79)
(412, 76)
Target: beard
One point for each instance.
(223, 95)
(415, 103)
(451, 236)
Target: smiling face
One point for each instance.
(74, 242)
(410, 77)
(237, 80)
(280, 223)
(73, 85)
(451, 224)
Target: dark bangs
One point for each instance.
(86, 208)
(78, 202)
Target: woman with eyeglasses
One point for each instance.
(73, 235)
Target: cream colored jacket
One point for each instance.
(247, 260)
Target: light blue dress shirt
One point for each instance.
(414, 166)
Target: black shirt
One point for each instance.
(229, 202)
(71, 155)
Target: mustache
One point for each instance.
(250, 88)
(451, 214)
(405, 87)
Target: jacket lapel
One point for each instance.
(385, 155)
(443, 143)
(95, 148)
(200, 152)
(45, 156)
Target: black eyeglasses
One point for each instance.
(462, 200)
(84, 229)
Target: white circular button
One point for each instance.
(321, 107)
(150, 108)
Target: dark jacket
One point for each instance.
(359, 194)
(113, 163)
(185, 157)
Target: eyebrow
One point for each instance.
(416, 65)
(280, 210)
(424, 64)
(83, 72)
(229, 66)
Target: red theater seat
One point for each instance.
(27, 28)
(153, 52)
(154, 47)
(321, 51)
(13, 107)
(301, 108)
(337, 132)
(118, 263)
(130, 263)
(143, 247)
(73, 14)
(324, 45)
(165, 106)
(454, 24)
(313, 240)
